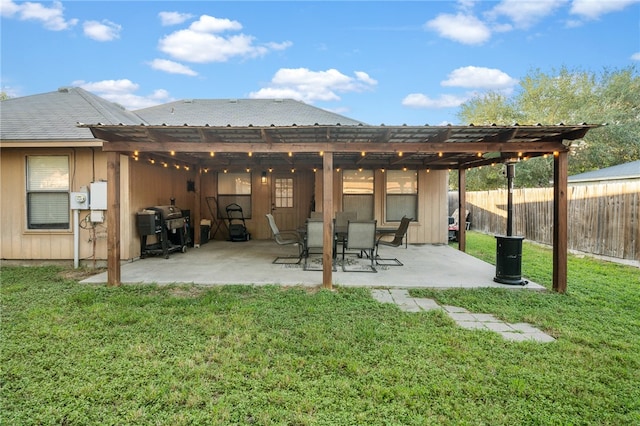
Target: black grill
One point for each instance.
(169, 227)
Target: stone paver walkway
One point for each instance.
(516, 332)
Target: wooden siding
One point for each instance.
(603, 219)
(430, 227)
(143, 184)
(18, 242)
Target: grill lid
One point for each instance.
(168, 212)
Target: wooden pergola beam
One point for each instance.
(560, 225)
(327, 218)
(113, 219)
(353, 147)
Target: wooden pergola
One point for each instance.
(327, 147)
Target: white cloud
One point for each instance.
(419, 100)
(52, 18)
(463, 28)
(210, 24)
(480, 78)
(101, 31)
(122, 92)
(477, 78)
(173, 18)
(526, 13)
(635, 56)
(310, 86)
(593, 9)
(171, 67)
(199, 43)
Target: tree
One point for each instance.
(3, 96)
(570, 97)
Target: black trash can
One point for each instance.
(204, 234)
(509, 260)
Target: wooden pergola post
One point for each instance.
(462, 209)
(113, 219)
(327, 218)
(560, 225)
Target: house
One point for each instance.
(627, 172)
(44, 157)
(278, 156)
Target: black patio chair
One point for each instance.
(396, 242)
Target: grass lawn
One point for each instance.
(75, 354)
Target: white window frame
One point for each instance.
(398, 188)
(47, 192)
(358, 187)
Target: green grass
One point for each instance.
(76, 354)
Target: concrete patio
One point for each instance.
(224, 262)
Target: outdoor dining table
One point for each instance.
(340, 233)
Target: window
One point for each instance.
(357, 193)
(402, 194)
(283, 192)
(234, 188)
(48, 192)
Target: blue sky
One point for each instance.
(393, 62)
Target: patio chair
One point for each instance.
(343, 218)
(396, 242)
(314, 242)
(361, 235)
(284, 238)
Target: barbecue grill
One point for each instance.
(168, 226)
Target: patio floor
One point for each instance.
(250, 262)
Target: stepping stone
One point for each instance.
(461, 316)
(427, 304)
(486, 318)
(498, 326)
(454, 309)
(382, 296)
(471, 325)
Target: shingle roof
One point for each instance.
(241, 112)
(621, 171)
(54, 115)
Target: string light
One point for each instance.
(213, 154)
(173, 153)
(250, 154)
(440, 154)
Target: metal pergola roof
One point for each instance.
(431, 147)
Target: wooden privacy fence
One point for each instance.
(604, 219)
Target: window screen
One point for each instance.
(357, 193)
(48, 192)
(402, 194)
(234, 188)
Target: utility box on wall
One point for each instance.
(98, 195)
(79, 201)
